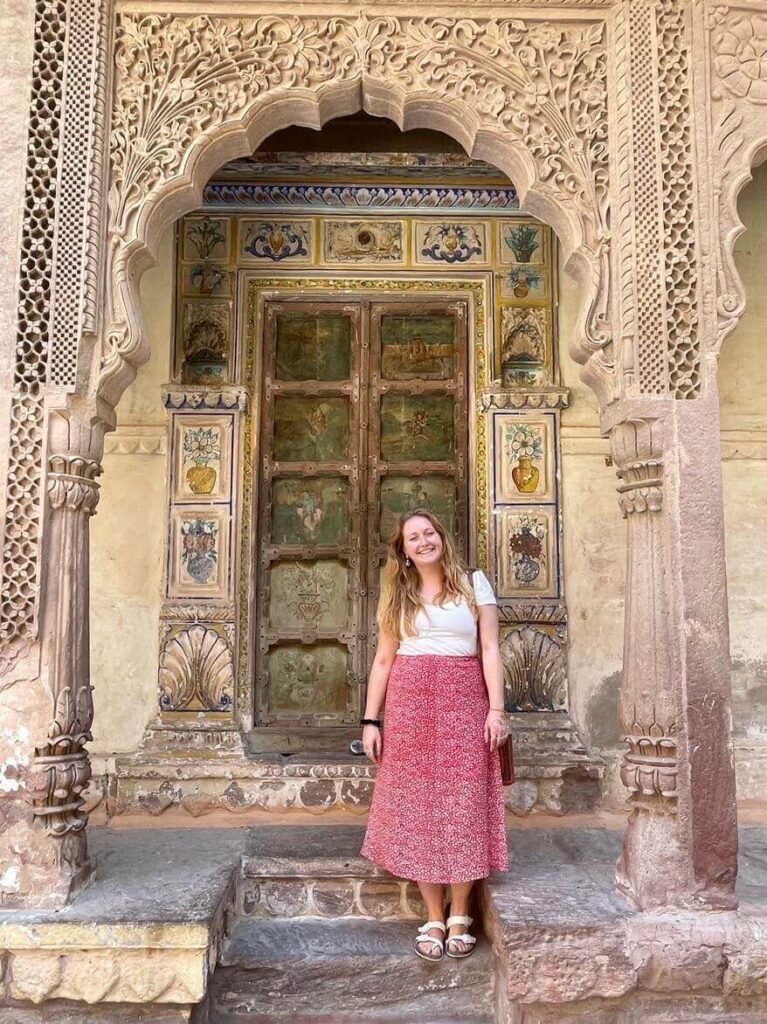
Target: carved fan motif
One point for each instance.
(196, 670)
(535, 671)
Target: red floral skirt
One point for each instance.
(437, 813)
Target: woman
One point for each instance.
(437, 815)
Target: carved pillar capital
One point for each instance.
(637, 451)
(72, 483)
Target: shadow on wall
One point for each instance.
(602, 724)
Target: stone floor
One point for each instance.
(293, 920)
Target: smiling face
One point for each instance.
(421, 541)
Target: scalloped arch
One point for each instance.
(737, 173)
(527, 96)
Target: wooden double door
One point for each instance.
(363, 416)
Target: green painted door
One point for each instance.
(363, 416)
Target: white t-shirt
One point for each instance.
(449, 630)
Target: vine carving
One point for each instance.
(539, 90)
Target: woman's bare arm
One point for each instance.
(492, 668)
(386, 650)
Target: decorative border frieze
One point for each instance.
(551, 398)
(225, 398)
(551, 613)
(393, 198)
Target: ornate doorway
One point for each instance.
(363, 416)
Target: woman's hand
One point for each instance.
(496, 729)
(371, 742)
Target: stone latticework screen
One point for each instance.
(22, 517)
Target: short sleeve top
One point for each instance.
(450, 630)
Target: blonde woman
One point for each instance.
(437, 815)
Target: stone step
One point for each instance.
(333, 890)
(301, 871)
(301, 740)
(345, 972)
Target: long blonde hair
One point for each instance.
(400, 600)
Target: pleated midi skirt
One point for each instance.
(437, 813)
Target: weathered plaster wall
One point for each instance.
(743, 381)
(594, 555)
(129, 537)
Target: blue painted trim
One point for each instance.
(392, 198)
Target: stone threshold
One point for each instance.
(555, 775)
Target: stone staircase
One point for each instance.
(321, 936)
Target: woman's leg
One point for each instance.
(459, 907)
(434, 898)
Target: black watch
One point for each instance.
(371, 721)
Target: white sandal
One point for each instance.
(469, 940)
(423, 937)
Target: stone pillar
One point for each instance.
(680, 847)
(44, 854)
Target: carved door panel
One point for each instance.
(310, 574)
(352, 434)
(418, 439)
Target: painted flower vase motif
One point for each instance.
(202, 446)
(526, 476)
(200, 548)
(525, 445)
(521, 289)
(523, 241)
(201, 478)
(526, 550)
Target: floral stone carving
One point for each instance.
(540, 89)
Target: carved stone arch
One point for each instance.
(527, 95)
(738, 89)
